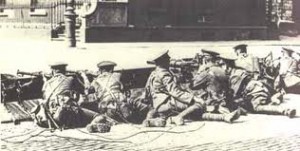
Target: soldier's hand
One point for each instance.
(44, 77)
(199, 100)
(82, 74)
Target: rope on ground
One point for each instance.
(168, 131)
(14, 136)
(145, 131)
(91, 139)
(188, 131)
(104, 139)
(24, 140)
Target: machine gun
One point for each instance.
(184, 68)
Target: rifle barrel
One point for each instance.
(28, 73)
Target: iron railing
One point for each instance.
(55, 11)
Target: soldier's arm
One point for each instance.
(200, 80)
(117, 77)
(88, 86)
(175, 91)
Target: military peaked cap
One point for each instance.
(209, 53)
(287, 50)
(57, 65)
(240, 47)
(159, 56)
(106, 64)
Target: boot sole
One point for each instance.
(292, 113)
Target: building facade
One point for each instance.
(154, 20)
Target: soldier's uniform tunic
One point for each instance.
(60, 96)
(108, 87)
(165, 93)
(213, 84)
(249, 63)
(109, 90)
(288, 75)
(253, 92)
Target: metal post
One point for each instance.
(70, 21)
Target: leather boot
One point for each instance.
(150, 121)
(98, 127)
(275, 110)
(179, 119)
(154, 122)
(229, 117)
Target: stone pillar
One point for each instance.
(70, 21)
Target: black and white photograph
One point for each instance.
(150, 75)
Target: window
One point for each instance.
(205, 11)
(2, 5)
(33, 4)
(36, 10)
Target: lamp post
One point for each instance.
(70, 21)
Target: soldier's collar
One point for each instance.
(161, 69)
(58, 75)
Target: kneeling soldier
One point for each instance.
(110, 96)
(168, 97)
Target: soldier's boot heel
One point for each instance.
(229, 118)
(291, 113)
(179, 119)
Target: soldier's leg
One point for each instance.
(86, 116)
(275, 110)
(97, 122)
(157, 117)
(262, 107)
(277, 98)
(90, 105)
(197, 105)
(229, 117)
(139, 107)
(164, 110)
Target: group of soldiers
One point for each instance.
(221, 90)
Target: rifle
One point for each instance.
(34, 74)
(40, 73)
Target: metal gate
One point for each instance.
(49, 13)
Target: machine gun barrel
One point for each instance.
(72, 72)
(29, 73)
(182, 63)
